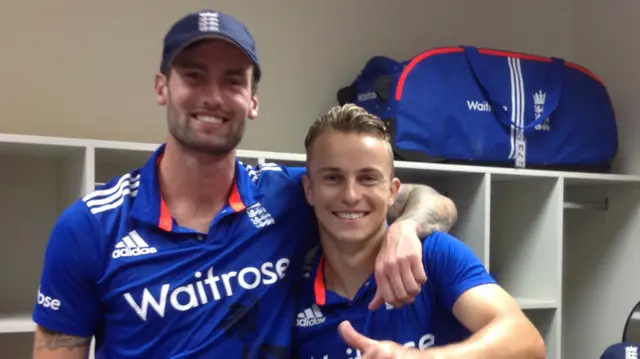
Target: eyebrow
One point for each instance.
(363, 170)
(328, 169)
(372, 171)
(186, 64)
(236, 72)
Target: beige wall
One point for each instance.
(82, 68)
(605, 40)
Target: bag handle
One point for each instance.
(376, 64)
(380, 64)
(552, 89)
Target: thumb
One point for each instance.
(353, 338)
(377, 300)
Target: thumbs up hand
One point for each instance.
(373, 349)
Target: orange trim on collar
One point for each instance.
(165, 222)
(235, 201)
(319, 289)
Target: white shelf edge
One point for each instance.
(75, 142)
(16, 323)
(122, 145)
(464, 169)
(571, 177)
(42, 140)
(269, 156)
(529, 303)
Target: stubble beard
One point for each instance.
(216, 145)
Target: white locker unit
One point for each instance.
(531, 228)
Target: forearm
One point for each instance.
(503, 339)
(424, 206)
(54, 345)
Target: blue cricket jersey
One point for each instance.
(118, 266)
(451, 268)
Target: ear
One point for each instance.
(308, 191)
(395, 188)
(161, 90)
(253, 113)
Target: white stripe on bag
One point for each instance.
(513, 105)
(517, 100)
(521, 90)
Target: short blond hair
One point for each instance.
(348, 118)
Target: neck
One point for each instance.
(195, 183)
(347, 266)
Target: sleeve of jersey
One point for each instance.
(276, 176)
(66, 297)
(296, 197)
(294, 174)
(452, 267)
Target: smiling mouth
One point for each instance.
(354, 215)
(209, 119)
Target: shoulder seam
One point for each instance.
(109, 198)
(257, 171)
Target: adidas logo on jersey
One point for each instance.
(132, 245)
(310, 317)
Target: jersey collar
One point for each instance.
(324, 296)
(149, 206)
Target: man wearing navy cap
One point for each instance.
(621, 351)
(460, 311)
(194, 254)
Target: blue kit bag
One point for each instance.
(490, 107)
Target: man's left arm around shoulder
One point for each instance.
(417, 211)
(423, 207)
(500, 328)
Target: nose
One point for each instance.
(351, 193)
(213, 96)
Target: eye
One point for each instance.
(235, 81)
(331, 178)
(194, 75)
(369, 180)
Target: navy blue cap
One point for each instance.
(208, 24)
(621, 351)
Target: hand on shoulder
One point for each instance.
(399, 271)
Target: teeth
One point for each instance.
(209, 119)
(350, 215)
